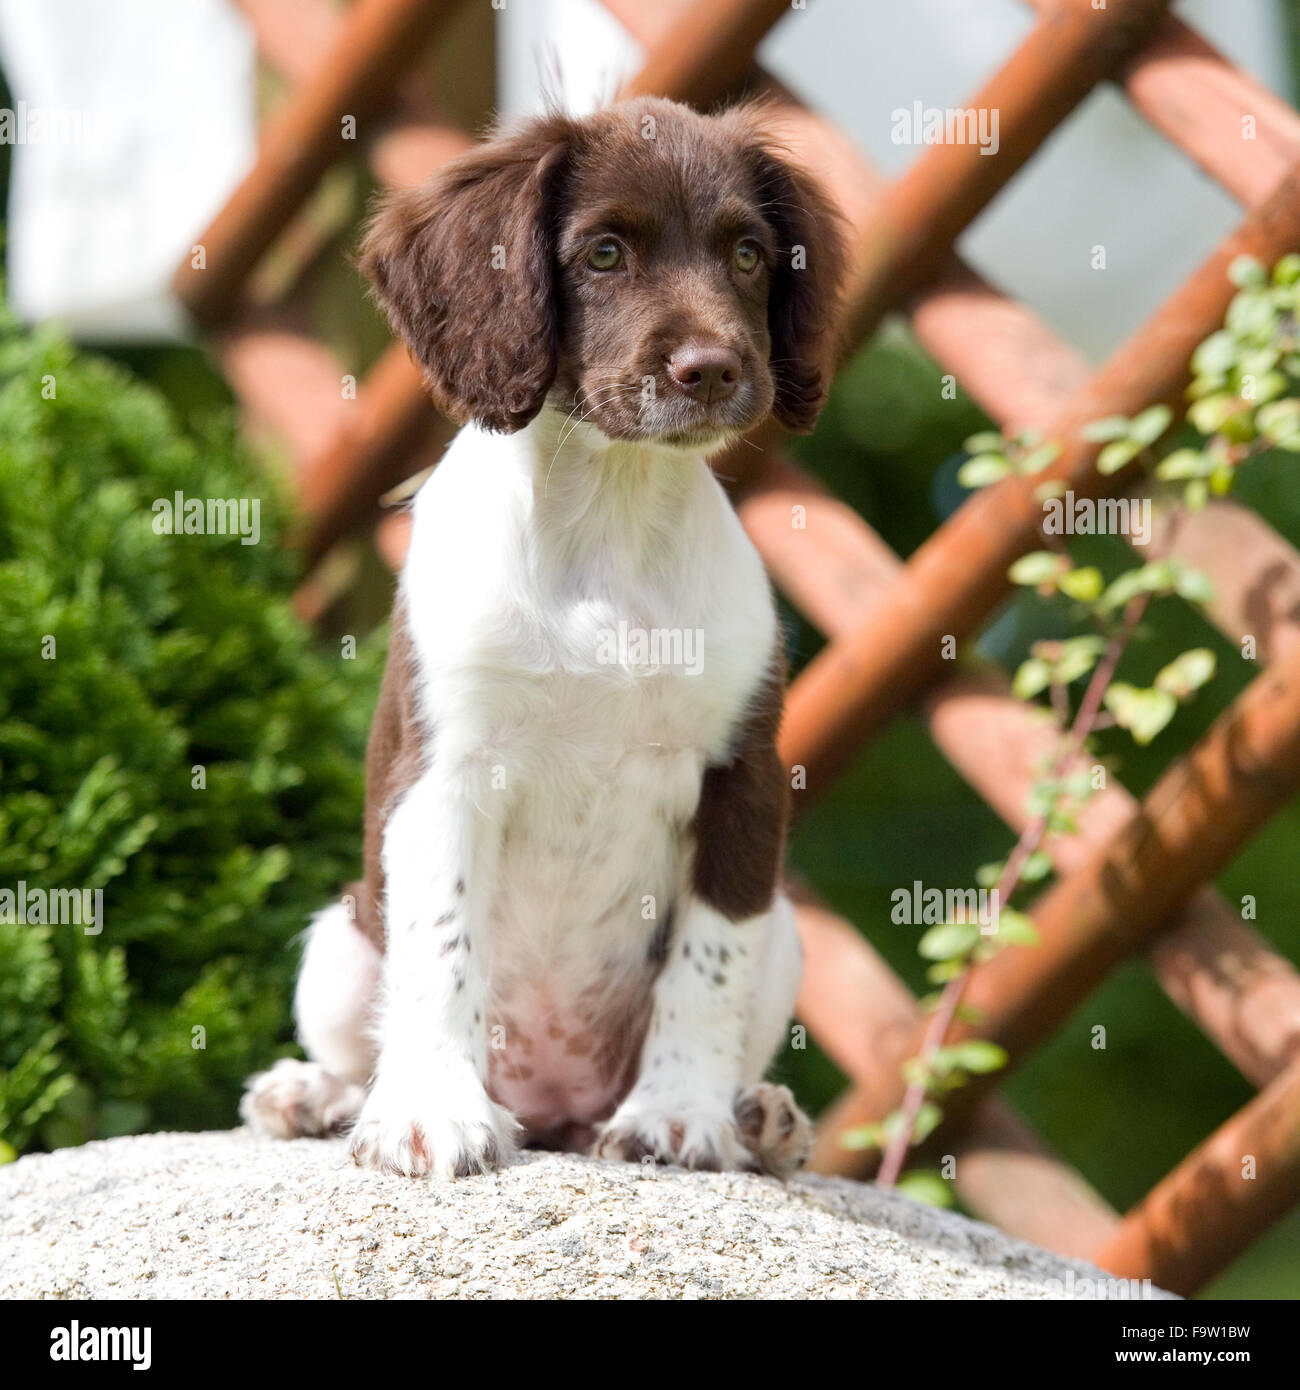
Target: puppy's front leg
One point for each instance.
(710, 1034)
(428, 1110)
(682, 1106)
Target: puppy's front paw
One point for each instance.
(772, 1127)
(296, 1099)
(692, 1138)
(426, 1140)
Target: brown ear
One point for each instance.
(803, 303)
(463, 266)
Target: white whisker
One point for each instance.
(592, 401)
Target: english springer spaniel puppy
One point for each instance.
(570, 932)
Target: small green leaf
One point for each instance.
(1209, 413)
(1144, 713)
(1251, 316)
(1050, 487)
(983, 469)
(1216, 355)
(1083, 584)
(1268, 386)
(1032, 677)
(944, 971)
(1042, 796)
(1121, 590)
(1246, 272)
(1037, 459)
(862, 1137)
(1147, 579)
(891, 1126)
(1151, 424)
(1061, 823)
(926, 1187)
(1287, 270)
(1112, 427)
(1114, 456)
(1015, 929)
(948, 940)
(1201, 386)
(919, 1071)
(979, 1056)
(1077, 656)
(1257, 361)
(986, 442)
(1193, 586)
(945, 1066)
(987, 875)
(1038, 567)
(1036, 868)
(1279, 421)
(928, 1118)
(1196, 494)
(1079, 784)
(1184, 463)
(1187, 673)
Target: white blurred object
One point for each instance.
(572, 50)
(1104, 179)
(133, 121)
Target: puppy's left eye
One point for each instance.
(605, 255)
(747, 256)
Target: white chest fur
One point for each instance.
(587, 621)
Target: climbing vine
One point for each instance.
(1244, 400)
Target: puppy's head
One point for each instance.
(668, 276)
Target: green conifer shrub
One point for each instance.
(128, 660)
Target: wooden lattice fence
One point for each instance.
(1134, 880)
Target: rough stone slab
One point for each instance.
(230, 1215)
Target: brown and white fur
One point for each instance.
(570, 933)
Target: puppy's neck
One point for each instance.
(594, 497)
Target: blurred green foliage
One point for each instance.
(128, 660)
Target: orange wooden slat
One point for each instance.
(1220, 1199)
(377, 39)
(1232, 126)
(956, 578)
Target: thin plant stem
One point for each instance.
(1031, 838)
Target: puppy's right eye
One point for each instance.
(605, 255)
(747, 255)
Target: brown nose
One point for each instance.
(706, 373)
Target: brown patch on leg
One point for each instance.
(739, 825)
(396, 754)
